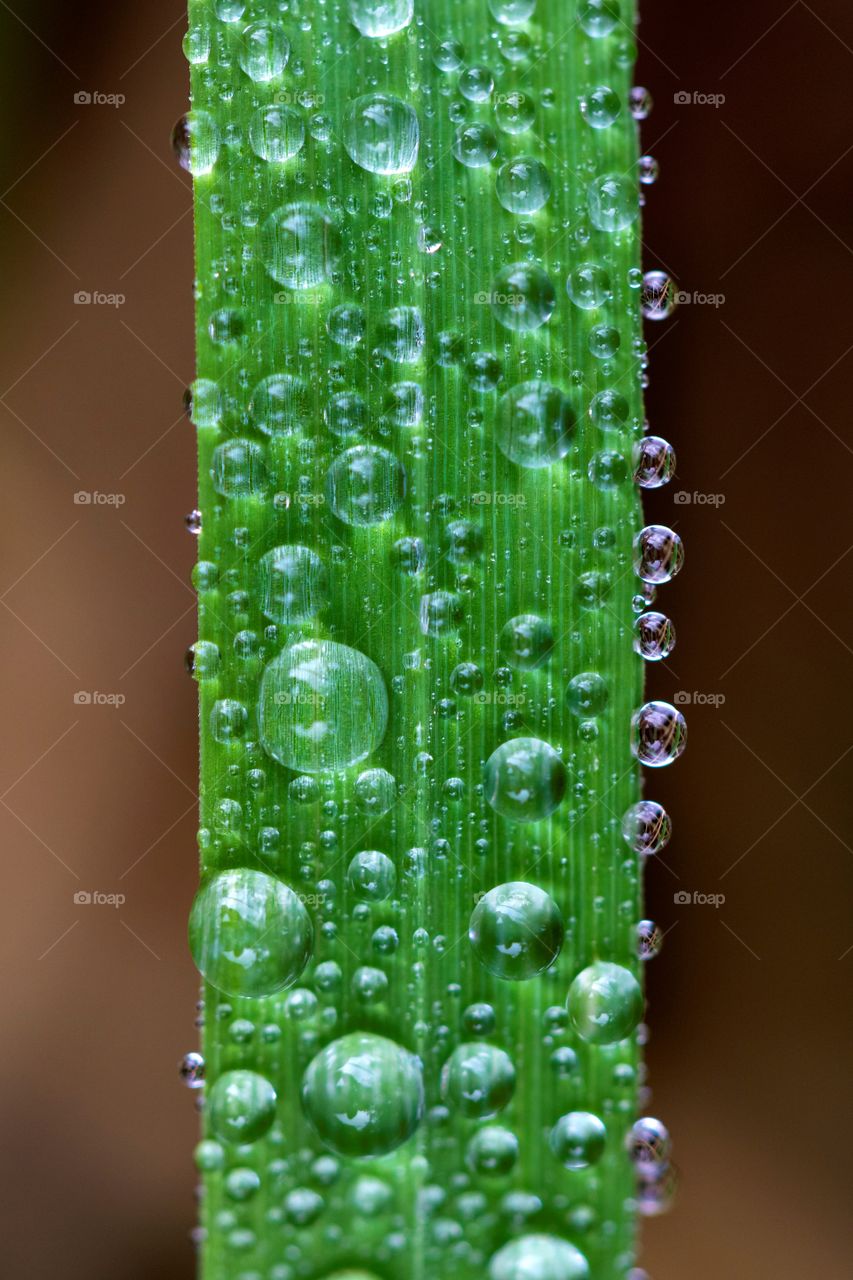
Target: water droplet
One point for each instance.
(516, 931)
(523, 185)
(523, 297)
(648, 170)
(587, 694)
(649, 1144)
(203, 403)
(601, 107)
(229, 10)
(613, 202)
(526, 641)
(649, 940)
(299, 245)
(525, 779)
(228, 720)
(263, 51)
(346, 324)
(346, 413)
(607, 470)
(515, 112)
(654, 462)
(654, 636)
(381, 134)
(476, 84)
(202, 660)
(492, 1152)
(195, 141)
(478, 1080)
(484, 371)
(640, 102)
(440, 613)
(605, 1003)
(196, 44)
(449, 55)
(603, 341)
(646, 828)
(293, 584)
(241, 1107)
(364, 1095)
(599, 17)
(249, 934)
(474, 145)
(278, 405)
(191, 1070)
(377, 19)
(658, 553)
(657, 300)
(276, 133)
(534, 424)
(372, 876)
(322, 705)
(609, 410)
(409, 555)
(578, 1139)
(239, 469)
(365, 485)
(512, 13)
(658, 734)
(588, 286)
(538, 1257)
(402, 335)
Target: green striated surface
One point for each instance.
(418, 517)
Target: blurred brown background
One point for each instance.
(749, 1059)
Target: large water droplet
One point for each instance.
(276, 133)
(534, 424)
(523, 185)
(379, 18)
(363, 1094)
(516, 931)
(646, 827)
(605, 1003)
(658, 553)
(263, 51)
(195, 141)
(578, 1139)
(293, 585)
(239, 469)
(658, 296)
(654, 636)
(522, 296)
(322, 705)
(654, 462)
(241, 1106)
(599, 17)
(658, 734)
(478, 1080)
(278, 405)
(538, 1257)
(402, 335)
(613, 202)
(249, 934)
(525, 779)
(381, 133)
(299, 245)
(365, 485)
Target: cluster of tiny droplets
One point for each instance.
(343, 1087)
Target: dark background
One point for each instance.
(749, 1057)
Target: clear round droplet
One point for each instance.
(525, 780)
(534, 424)
(523, 185)
(605, 1003)
(522, 297)
(365, 485)
(478, 1080)
(589, 286)
(381, 134)
(658, 553)
(578, 1139)
(474, 145)
(293, 584)
(658, 734)
(195, 141)
(516, 931)
(613, 202)
(654, 462)
(250, 935)
(241, 1107)
(300, 245)
(263, 51)
(276, 133)
(378, 19)
(322, 705)
(646, 828)
(539, 1257)
(658, 296)
(654, 636)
